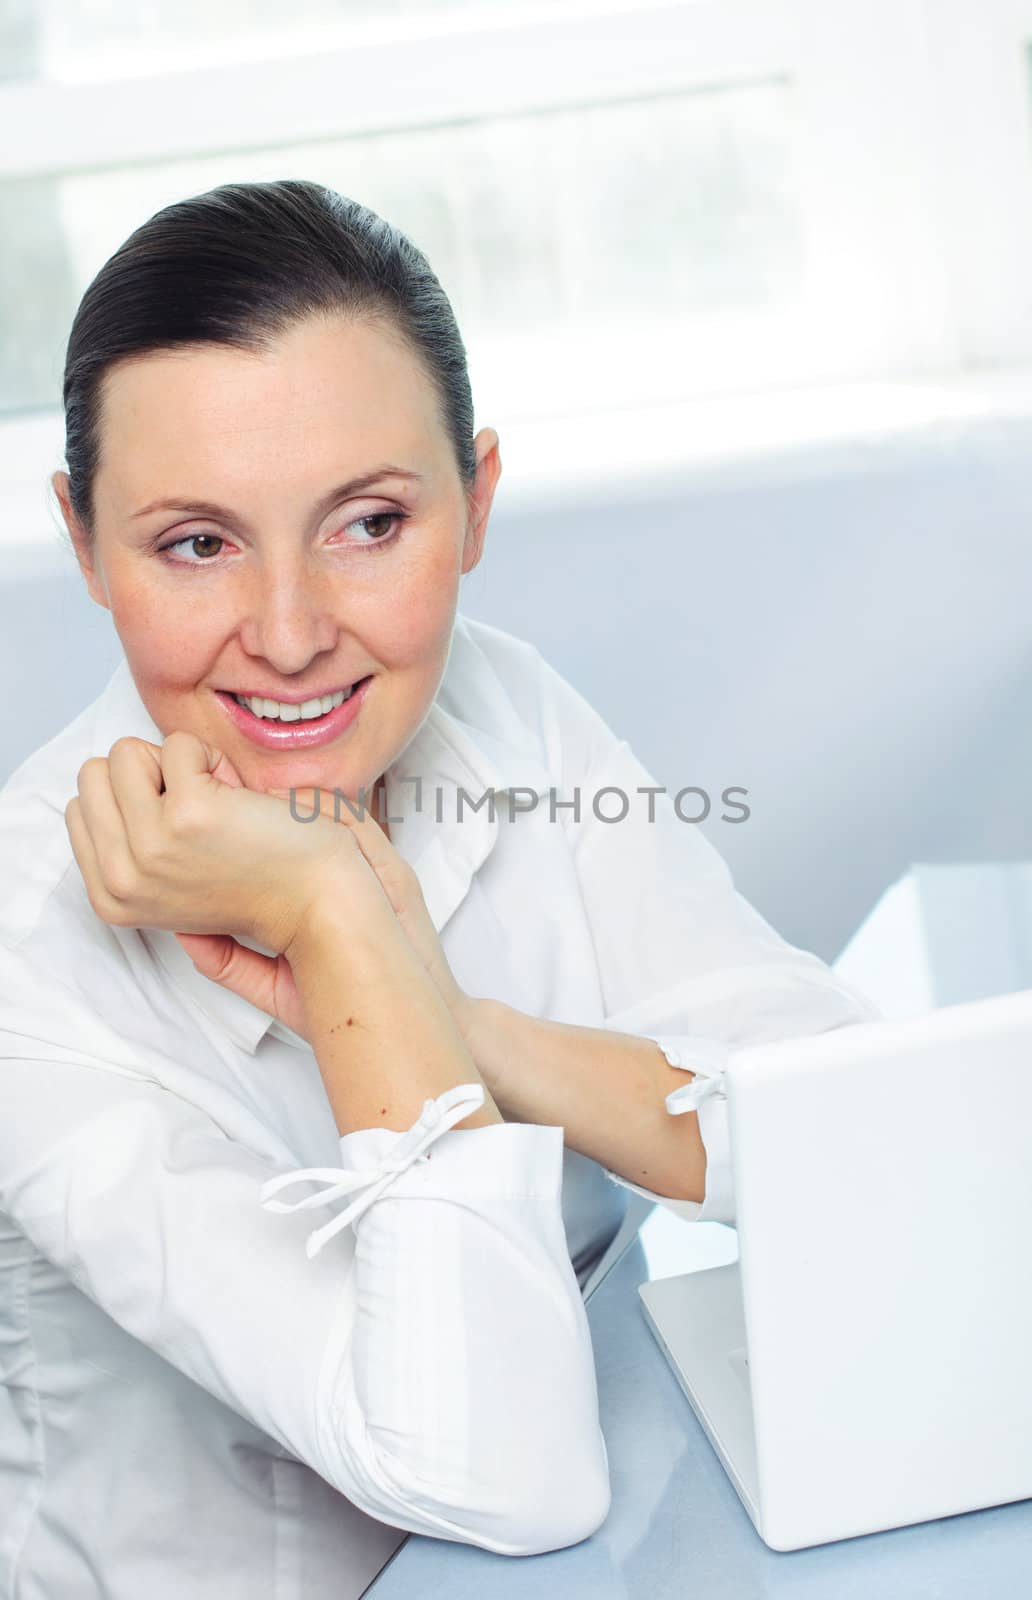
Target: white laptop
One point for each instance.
(867, 1361)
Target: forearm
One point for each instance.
(383, 1038)
(605, 1089)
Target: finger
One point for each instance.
(106, 826)
(82, 844)
(86, 857)
(134, 769)
(226, 772)
(246, 972)
(185, 758)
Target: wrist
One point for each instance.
(472, 1018)
(494, 1036)
(331, 926)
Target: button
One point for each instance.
(431, 1114)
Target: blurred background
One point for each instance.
(747, 291)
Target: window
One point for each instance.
(628, 201)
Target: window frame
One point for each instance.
(916, 266)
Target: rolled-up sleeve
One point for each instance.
(683, 957)
(704, 1094)
(430, 1359)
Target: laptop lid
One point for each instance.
(883, 1174)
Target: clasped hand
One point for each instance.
(168, 837)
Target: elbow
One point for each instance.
(559, 1508)
(560, 1501)
(498, 1444)
(549, 1487)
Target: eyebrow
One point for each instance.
(343, 491)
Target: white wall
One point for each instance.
(844, 629)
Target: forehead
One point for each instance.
(328, 395)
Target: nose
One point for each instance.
(288, 615)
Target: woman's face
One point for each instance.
(284, 526)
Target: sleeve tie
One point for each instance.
(706, 1058)
(437, 1117)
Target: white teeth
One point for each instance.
(275, 710)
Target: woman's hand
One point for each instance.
(398, 880)
(168, 837)
(159, 845)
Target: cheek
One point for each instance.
(412, 616)
(166, 635)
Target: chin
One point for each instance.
(296, 776)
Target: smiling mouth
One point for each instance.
(314, 710)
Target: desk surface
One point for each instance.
(676, 1526)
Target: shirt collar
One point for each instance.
(471, 739)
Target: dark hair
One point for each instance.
(237, 266)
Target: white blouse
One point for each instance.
(241, 1355)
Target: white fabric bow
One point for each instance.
(706, 1058)
(436, 1117)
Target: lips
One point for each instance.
(324, 704)
(270, 734)
(293, 699)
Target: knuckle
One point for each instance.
(128, 746)
(107, 907)
(120, 881)
(148, 848)
(90, 768)
(184, 818)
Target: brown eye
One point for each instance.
(200, 543)
(379, 523)
(208, 539)
(383, 519)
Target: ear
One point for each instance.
(81, 542)
(481, 496)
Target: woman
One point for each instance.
(456, 1015)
